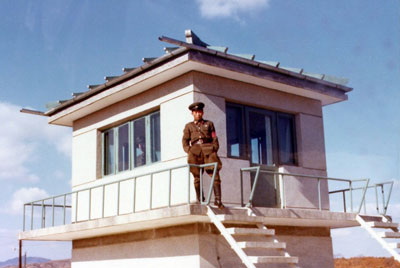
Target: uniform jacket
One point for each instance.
(203, 130)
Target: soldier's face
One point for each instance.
(197, 115)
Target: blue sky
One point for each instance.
(50, 49)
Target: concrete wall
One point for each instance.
(197, 245)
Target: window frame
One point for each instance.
(132, 160)
(274, 115)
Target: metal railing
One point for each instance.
(279, 179)
(70, 201)
(385, 199)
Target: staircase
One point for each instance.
(256, 237)
(371, 223)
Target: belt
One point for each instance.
(200, 141)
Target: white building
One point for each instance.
(133, 201)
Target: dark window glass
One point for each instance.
(260, 139)
(286, 139)
(235, 137)
(123, 147)
(109, 152)
(139, 142)
(155, 137)
(262, 136)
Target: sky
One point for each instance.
(50, 49)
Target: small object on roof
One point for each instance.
(109, 78)
(246, 56)
(90, 87)
(76, 94)
(127, 70)
(295, 70)
(170, 49)
(53, 104)
(313, 75)
(217, 48)
(271, 63)
(192, 38)
(336, 80)
(146, 60)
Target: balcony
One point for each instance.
(166, 197)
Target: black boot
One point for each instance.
(217, 196)
(197, 188)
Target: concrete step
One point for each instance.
(380, 224)
(389, 234)
(240, 218)
(256, 244)
(250, 231)
(394, 245)
(274, 259)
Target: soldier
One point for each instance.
(200, 142)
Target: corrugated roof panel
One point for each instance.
(295, 70)
(218, 48)
(246, 56)
(313, 75)
(336, 80)
(271, 63)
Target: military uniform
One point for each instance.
(200, 142)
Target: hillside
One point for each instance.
(366, 262)
(50, 264)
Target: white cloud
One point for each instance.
(229, 8)
(22, 196)
(21, 140)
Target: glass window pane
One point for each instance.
(139, 142)
(155, 137)
(234, 129)
(108, 152)
(123, 148)
(260, 139)
(286, 139)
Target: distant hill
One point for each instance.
(364, 262)
(47, 264)
(28, 260)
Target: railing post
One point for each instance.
(201, 186)
(134, 194)
(241, 188)
(118, 197)
(43, 215)
(376, 198)
(169, 187)
(90, 204)
(151, 190)
(53, 213)
(76, 206)
(32, 206)
(188, 184)
(23, 223)
(344, 201)
(319, 194)
(383, 196)
(363, 195)
(65, 204)
(387, 201)
(103, 201)
(282, 191)
(351, 196)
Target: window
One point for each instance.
(262, 136)
(132, 144)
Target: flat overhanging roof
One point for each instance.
(184, 60)
(186, 214)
